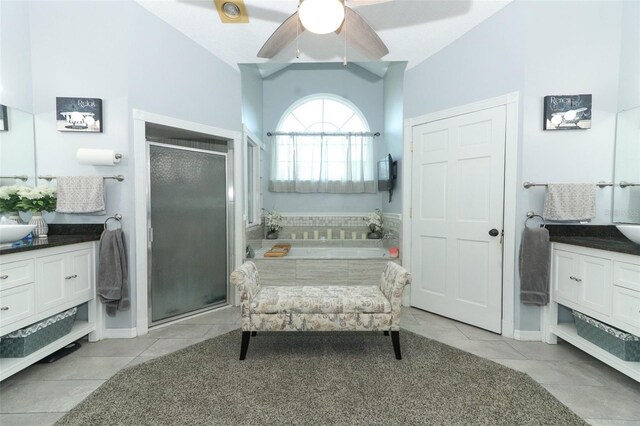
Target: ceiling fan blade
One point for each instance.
(285, 34)
(360, 35)
(365, 2)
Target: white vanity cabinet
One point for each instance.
(602, 284)
(40, 283)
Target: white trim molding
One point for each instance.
(511, 102)
(119, 333)
(527, 336)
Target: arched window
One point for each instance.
(322, 145)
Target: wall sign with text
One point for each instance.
(567, 112)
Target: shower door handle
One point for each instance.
(150, 235)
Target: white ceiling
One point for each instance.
(413, 30)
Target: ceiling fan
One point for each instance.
(324, 17)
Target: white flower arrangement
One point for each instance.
(375, 220)
(9, 198)
(273, 221)
(38, 199)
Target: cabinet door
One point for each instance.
(80, 286)
(595, 284)
(51, 283)
(626, 306)
(564, 277)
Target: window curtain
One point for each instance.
(332, 164)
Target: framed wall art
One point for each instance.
(79, 115)
(567, 112)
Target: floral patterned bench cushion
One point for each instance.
(319, 300)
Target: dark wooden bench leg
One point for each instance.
(386, 332)
(245, 344)
(253, 333)
(395, 338)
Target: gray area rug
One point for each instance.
(340, 378)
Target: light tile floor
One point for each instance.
(42, 393)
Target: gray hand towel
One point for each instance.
(535, 258)
(113, 273)
(80, 194)
(570, 202)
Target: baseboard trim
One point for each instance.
(119, 333)
(527, 336)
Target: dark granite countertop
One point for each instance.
(59, 235)
(601, 237)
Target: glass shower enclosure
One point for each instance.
(188, 212)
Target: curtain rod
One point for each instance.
(323, 134)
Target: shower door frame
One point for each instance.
(228, 222)
(141, 234)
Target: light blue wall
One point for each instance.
(130, 59)
(514, 51)
(630, 57)
(15, 55)
(354, 83)
(252, 100)
(393, 129)
(169, 74)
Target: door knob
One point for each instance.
(494, 232)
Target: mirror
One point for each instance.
(626, 194)
(17, 148)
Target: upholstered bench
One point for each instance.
(320, 308)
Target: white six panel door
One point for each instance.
(457, 199)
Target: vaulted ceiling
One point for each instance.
(413, 30)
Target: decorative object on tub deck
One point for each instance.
(37, 200)
(4, 119)
(249, 252)
(567, 112)
(113, 272)
(98, 157)
(273, 223)
(80, 194)
(320, 308)
(570, 202)
(316, 234)
(535, 261)
(278, 250)
(374, 222)
(394, 252)
(79, 115)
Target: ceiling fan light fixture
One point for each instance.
(321, 16)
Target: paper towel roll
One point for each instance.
(98, 157)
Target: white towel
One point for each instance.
(570, 202)
(80, 194)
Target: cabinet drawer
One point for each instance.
(626, 306)
(626, 275)
(13, 274)
(16, 304)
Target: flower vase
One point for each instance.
(272, 235)
(42, 229)
(15, 216)
(374, 235)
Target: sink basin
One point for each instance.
(632, 232)
(11, 233)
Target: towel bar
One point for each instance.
(119, 178)
(528, 185)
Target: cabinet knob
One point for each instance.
(4, 277)
(576, 279)
(4, 308)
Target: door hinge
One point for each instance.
(150, 235)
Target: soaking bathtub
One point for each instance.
(323, 266)
(330, 253)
